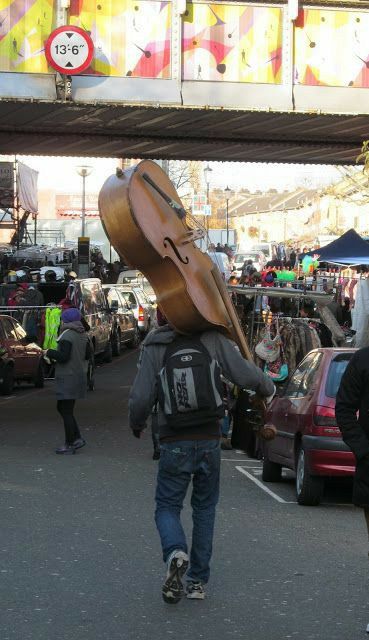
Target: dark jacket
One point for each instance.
(71, 358)
(353, 398)
(144, 390)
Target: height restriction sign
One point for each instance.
(69, 49)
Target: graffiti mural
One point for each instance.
(232, 43)
(131, 37)
(332, 48)
(24, 27)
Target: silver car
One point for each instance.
(144, 310)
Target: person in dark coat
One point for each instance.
(352, 414)
(71, 361)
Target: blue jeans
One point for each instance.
(179, 462)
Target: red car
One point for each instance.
(308, 440)
(20, 359)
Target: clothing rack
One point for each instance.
(282, 292)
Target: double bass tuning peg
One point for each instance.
(192, 235)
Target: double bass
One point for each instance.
(145, 222)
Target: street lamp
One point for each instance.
(34, 217)
(207, 170)
(84, 171)
(227, 192)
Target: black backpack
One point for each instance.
(189, 385)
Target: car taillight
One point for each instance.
(325, 422)
(141, 315)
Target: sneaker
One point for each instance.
(156, 454)
(66, 449)
(77, 444)
(225, 444)
(177, 564)
(195, 591)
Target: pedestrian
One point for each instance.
(247, 272)
(71, 360)
(346, 313)
(352, 415)
(182, 373)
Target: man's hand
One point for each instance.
(268, 399)
(137, 433)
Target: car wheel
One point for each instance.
(108, 353)
(116, 343)
(132, 344)
(8, 381)
(39, 377)
(309, 489)
(272, 471)
(91, 373)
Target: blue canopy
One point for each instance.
(349, 249)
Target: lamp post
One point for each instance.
(84, 171)
(207, 170)
(34, 216)
(227, 192)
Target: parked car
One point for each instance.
(258, 261)
(124, 324)
(143, 309)
(88, 296)
(266, 248)
(308, 440)
(20, 359)
(134, 278)
(222, 261)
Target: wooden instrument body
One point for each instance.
(147, 232)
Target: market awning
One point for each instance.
(349, 249)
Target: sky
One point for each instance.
(60, 173)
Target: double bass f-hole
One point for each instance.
(170, 241)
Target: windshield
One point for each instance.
(335, 373)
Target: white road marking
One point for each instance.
(263, 487)
(239, 460)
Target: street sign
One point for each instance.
(198, 203)
(83, 257)
(6, 185)
(69, 49)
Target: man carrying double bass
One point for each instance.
(182, 373)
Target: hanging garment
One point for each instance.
(52, 324)
(337, 335)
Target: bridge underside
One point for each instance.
(121, 130)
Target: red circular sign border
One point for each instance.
(88, 40)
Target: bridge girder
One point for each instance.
(179, 133)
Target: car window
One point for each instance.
(303, 376)
(141, 296)
(93, 297)
(21, 333)
(335, 373)
(9, 330)
(309, 377)
(122, 301)
(112, 295)
(129, 296)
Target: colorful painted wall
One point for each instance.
(220, 42)
(232, 43)
(332, 48)
(24, 27)
(131, 37)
